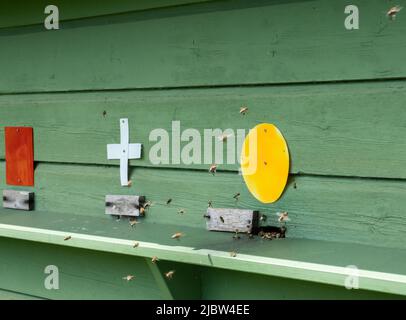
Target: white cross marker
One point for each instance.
(124, 151)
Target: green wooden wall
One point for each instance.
(337, 96)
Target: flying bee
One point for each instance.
(224, 136)
(129, 183)
(67, 238)
(136, 244)
(154, 259)
(213, 169)
(222, 219)
(209, 204)
(129, 277)
(233, 254)
(133, 222)
(393, 11)
(283, 216)
(181, 211)
(168, 201)
(142, 210)
(237, 196)
(104, 113)
(177, 235)
(169, 274)
(243, 110)
(262, 217)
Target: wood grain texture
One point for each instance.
(123, 205)
(213, 43)
(231, 220)
(20, 200)
(366, 211)
(12, 14)
(340, 129)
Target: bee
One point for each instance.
(294, 185)
(233, 254)
(213, 169)
(129, 183)
(224, 137)
(129, 277)
(222, 219)
(393, 11)
(104, 113)
(142, 210)
(209, 204)
(133, 222)
(147, 204)
(136, 244)
(283, 216)
(169, 274)
(243, 110)
(237, 196)
(154, 259)
(177, 235)
(168, 201)
(181, 211)
(262, 217)
(67, 238)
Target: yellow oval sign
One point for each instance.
(265, 162)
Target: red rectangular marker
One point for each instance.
(19, 156)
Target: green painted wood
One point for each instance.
(310, 260)
(214, 43)
(365, 211)
(80, 269)
(82, 274)
(340, 129)
(10, 295)
(231, 285)
(20, 13)
(185, 283)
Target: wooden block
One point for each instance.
(19, 156)
(121, 205)
(20, 200)
(231, 220)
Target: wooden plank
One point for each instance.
(365, 211)
(336, 129)
(213, 43)
(82, 273)
(94, 275)
(10, 295)
(12, 15)
(20, 200)
(231, 220)
(290, 258)
(231, 285)
(123, 205)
